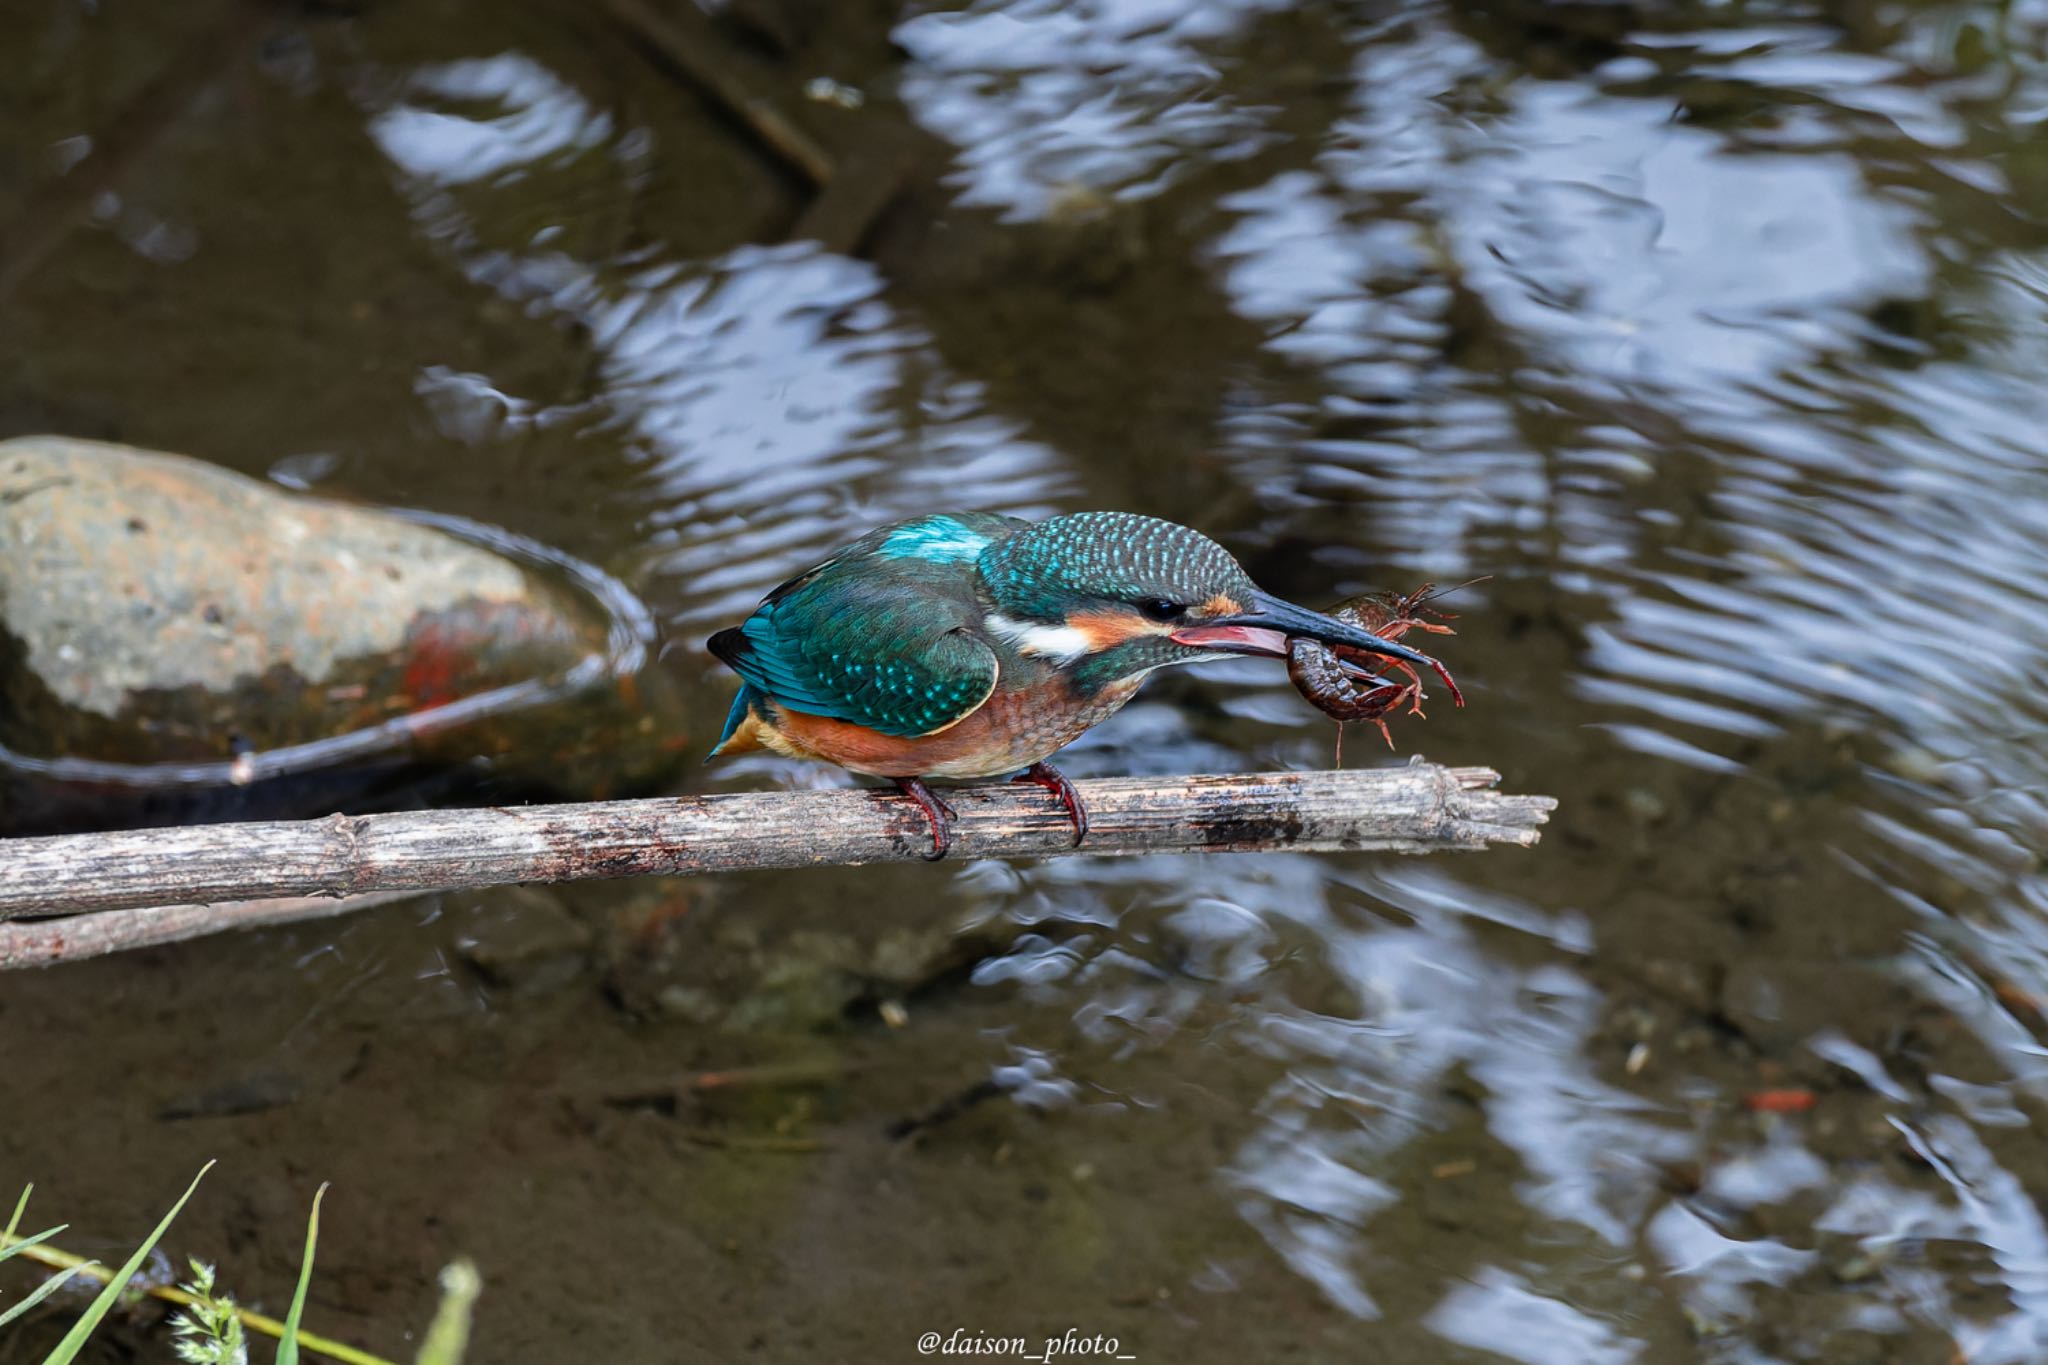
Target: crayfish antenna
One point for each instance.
(1430, 592)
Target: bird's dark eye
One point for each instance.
(1163, 609)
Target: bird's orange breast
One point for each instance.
(1013, 729)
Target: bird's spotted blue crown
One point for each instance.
(1042, 571)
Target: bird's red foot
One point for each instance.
(938, 812)
(1057, 782)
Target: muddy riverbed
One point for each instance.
(1714, 334)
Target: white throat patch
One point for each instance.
(1062, 644)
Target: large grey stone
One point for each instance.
(124, 571)
(155, 609)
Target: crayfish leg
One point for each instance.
(1457, 697)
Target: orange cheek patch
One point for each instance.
(1222, 604)
(1106, 629)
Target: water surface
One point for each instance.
(1712, 333)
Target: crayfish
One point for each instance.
(1341, 683)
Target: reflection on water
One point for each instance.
(1105, 97)
(770, 377)
(1714, 336)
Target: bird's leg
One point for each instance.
(938, 812)
(1056, 782)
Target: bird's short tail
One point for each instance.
(738, 737)
(728, 646)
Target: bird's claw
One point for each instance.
(938, 812)
(1058, 783)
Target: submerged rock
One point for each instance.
(523, 939)
(165, 622)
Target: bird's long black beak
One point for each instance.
(1268, 621)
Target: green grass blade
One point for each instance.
(448, 1337)
(288, 1344)
(20, 1207)
(42, 1291)
(11, 1244)
(74, 1340)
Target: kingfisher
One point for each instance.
(965, 645)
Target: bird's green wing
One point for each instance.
(883, 635)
